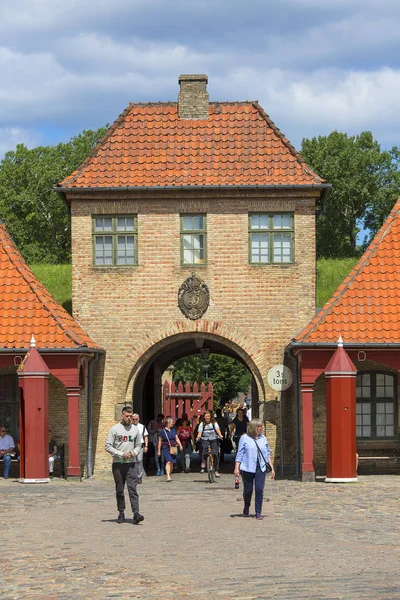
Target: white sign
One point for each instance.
(280, 378)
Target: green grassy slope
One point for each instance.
(57, 279)
(330, 273)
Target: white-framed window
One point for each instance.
(193, 239)
(114, 240)
(271, 238)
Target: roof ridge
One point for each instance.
(350, 278)
(174, 103)
(37, 287)
(288, 145)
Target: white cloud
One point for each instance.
(315, 103)
(10, 137)
(313, 65)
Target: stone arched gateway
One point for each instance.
(144, 387)
(182, 338)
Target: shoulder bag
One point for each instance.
(268, 467)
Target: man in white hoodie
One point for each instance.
(124, 444)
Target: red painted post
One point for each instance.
(203, 406)
(184, 407)
(74, 469)
(340, 374)
(307, 468)
(33, 376)
(210, 397)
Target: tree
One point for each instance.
(228, 376)
(36, 216)
(365, 183)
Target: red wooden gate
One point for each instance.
(178, 399)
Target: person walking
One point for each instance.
(167, 443)
(124, 444)
(198, 446)
(253, 461)
(224, 429)
(209, 433)
(238, 426)
(144, 437)
(185, 434)
(160, 462)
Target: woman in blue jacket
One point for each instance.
(253, 461)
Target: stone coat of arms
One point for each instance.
(193, 297)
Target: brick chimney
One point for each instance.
(193, 97)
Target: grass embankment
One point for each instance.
(57, 279)
(330, 273)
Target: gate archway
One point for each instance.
(145, 377)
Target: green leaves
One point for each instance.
(365, 184)
(36, 216)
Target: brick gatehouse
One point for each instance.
(176, 188)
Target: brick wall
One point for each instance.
(130, 310)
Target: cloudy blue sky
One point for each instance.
(314, 65)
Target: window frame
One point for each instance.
(270, 231)
(193, 232)
(114, 233)
(373, 400)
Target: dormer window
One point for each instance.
(114, 240)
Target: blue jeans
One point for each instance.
(7, 464)
(257, 480)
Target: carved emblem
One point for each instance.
(193, 297)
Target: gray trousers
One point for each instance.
(185, 456)
(126, 473)
(139, 462)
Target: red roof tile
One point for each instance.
(27, 308)
(365, 308)
(150, 146)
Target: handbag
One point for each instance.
(268, 467)
(173, 450)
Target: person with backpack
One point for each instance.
(209, 433)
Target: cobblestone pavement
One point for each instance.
(318, 541)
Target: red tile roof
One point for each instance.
(366, 306)
(150, 146)
(27, 308)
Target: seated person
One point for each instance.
(53, 452)
(7, 450)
